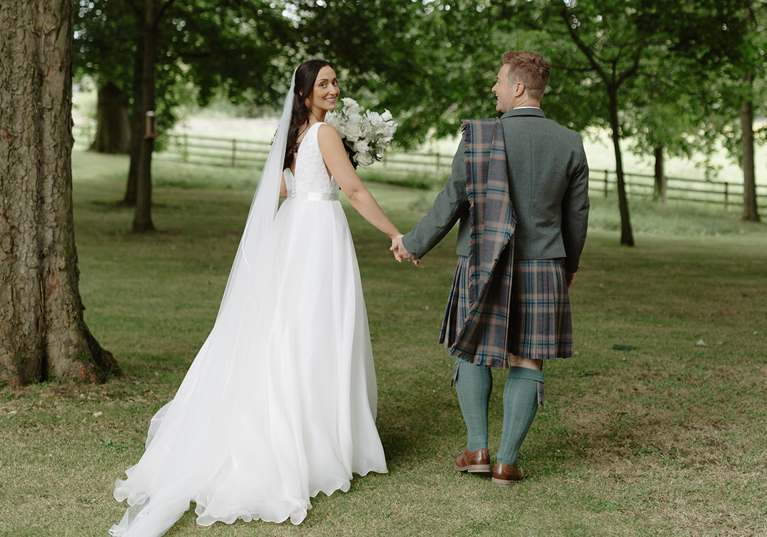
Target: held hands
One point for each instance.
(400, 252)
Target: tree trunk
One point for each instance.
(142, 220)
(113, 126)
(137, 120)
(660, 176)
(137, 138)
(627, 237)
(750, 211)
(42, 334)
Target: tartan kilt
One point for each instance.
(540, 325)
(458, 305)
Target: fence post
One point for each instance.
(234, 152)
(185, 154)
(605, 183)
(726, 195)
(437, 164)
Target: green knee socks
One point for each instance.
(520, 403)
(473, 385)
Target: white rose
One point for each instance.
(386, 116)
(361, 146)
(333, 120)
(352, 132)
(364, 159)
(376, 121)
(351, 108)
(368, 131)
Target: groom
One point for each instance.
(519, 187)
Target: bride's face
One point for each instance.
(325, 91)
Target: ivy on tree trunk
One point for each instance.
(42, 334)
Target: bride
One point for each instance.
(280, 402)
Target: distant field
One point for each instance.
(598, 149)
(227, 143)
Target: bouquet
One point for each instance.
(365, 133)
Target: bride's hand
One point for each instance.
(396, 243)
(400, 252)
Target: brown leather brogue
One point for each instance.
(474, 462)
(505, 475)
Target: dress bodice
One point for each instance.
(311, 180)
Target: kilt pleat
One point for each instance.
(540, 324)
(458, 304)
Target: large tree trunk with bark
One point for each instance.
(42, 333)
(627, 237)
(660, 176)
(142, 220)
(750, 210)
(112, 124)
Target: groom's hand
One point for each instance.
(404, 254)
(400, 252)
(570, 279)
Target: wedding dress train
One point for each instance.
(280, 402)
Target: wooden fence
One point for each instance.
(726, 193)
(209, 150)
(232, 152)
(194, 149)
(429, 168)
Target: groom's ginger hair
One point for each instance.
(529, 68)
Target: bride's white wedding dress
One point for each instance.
(280, 402)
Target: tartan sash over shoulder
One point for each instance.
(482, 339)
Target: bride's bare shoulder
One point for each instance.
(327, 131)
(329, 139)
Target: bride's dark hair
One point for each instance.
(306, 74)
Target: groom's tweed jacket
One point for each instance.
(483, 336)
(548, 182)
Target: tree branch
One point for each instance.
(634, 68)
(590, 55)
(161, 11)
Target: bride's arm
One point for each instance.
(338, 164)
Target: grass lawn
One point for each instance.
(666, 439)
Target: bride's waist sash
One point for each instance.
(315, 196)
